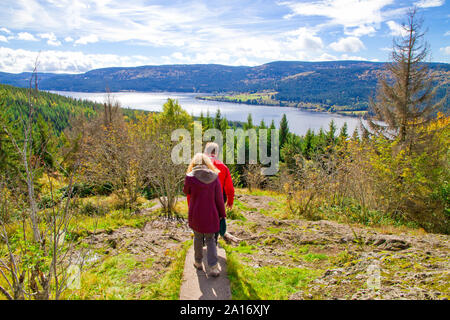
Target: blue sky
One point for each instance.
(74, 36)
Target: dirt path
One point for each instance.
(198, 285)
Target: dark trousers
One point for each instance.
(216, 235)
(211, 248)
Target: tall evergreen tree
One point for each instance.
(202, 119)
(355, 135)
(208, 121)
(249, 124)
(223, 125)
(343, 133)
(284, 130)
(308, 144)
(331, 133)
(321, 141)
(217, 119)
(262, 125)
(405, 94)
(272, 125)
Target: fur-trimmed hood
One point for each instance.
(203, 174)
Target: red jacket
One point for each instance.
(206, 205)
(225, 180)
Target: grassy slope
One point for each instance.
(285, 257)
(139, 256)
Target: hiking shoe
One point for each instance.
(198, 266)
(214, 271)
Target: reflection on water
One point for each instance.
(299, 121)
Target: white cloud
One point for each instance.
(20, 60)
(429, 3)
(396, 29)
(304, 39)
(3, 39)
(354, 58)
(25, 36)
(87, 39)
(349, 13)
(114, 20)
(55, 43)
(349, 44)
(363, 30)
(51, 39)
(4, 30)
(447, 33)
(198, 31)
(445, 50)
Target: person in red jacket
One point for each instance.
(212, 150)
(206, 208)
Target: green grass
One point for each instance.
(274, 230)
(277, 208)
(241, 206)
(244, 248)
(264, 283)
(168, 288)
(314, 256)
(303, 253)
(351, 212)
(258, 97)
(108, 279)
(82, 224)
(236, 212)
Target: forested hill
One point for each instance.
(340, 83)
(53, 108)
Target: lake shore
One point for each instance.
(275, 103)
(300, 120)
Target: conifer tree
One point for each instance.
(331, 133)
(284, 130)
(343, 134)
(202, 119)
(249, 124)
(223, 125)
(262, 124)
(355, 135)
(217, 119)
(405, 94)
(208, 121)
(272, 125)
(308, 144)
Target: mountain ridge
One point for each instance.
(328, 83)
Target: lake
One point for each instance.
(299, 121)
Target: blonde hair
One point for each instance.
(212, 148)
(201, 159)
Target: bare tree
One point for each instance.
(34, 268)
(109, 153)
(253, 176)
(164, 176)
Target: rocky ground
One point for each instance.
(154, 241)
(353, 262)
